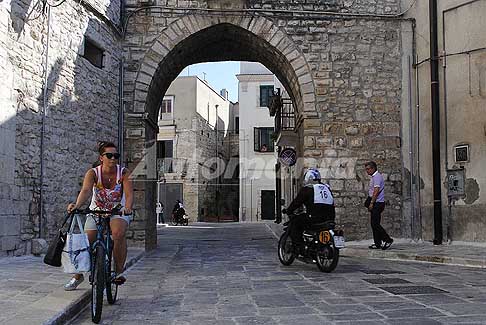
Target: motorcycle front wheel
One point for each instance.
(327, 258)
(285, 250)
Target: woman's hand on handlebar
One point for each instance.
(126, 211)
(71, 207)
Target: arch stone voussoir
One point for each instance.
(159, 48)
(189, 24)
(277, 38)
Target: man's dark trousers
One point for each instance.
(299, 223)
(379, 234)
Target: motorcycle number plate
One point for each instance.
(339, 241)
(324, 237)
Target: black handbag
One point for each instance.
(53, 255)
(368, 199)
(367, 202)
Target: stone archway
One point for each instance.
(195, 39)
(343, 74)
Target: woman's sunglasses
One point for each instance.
(110, 155)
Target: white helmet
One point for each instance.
(312, 176)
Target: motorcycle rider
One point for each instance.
(178, 210)
(318, 201)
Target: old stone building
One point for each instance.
(69, 69)
(195, 123)
(59, 94)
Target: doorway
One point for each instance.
(268, 205)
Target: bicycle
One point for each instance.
(102, 271)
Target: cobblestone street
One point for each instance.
(230, 274)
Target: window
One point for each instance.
(93, 53)
(165, 153)
(164, 149)
(237, 124)
(166, 108)
(266, 92)
(263, 139)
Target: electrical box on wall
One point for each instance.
(456, 182)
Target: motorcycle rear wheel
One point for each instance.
(173, 220)
(285, 250)
(327, 259)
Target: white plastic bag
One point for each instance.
(75, 256)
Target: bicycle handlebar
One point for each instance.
(88, 211)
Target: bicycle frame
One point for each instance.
(103, 233)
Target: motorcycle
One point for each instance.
(321, 245)
(179, 218)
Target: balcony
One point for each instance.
(283, 110)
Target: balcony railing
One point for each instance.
(283, 110)
(285, 116)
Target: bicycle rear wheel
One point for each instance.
(98, 284)
(111, 288)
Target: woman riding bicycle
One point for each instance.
(109, 186)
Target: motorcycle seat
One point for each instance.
(323, 225)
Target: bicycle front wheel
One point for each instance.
(98, 284)
(111, 288)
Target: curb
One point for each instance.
(78, 305)
(404, 256)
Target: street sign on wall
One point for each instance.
(288, 157)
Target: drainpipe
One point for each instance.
(419, 179)
(120, 111)
(43, 124)
(434, 87)
(410, 149)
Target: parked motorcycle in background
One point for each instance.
(321, 245)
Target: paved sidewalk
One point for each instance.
(31, 292)
(461, 253)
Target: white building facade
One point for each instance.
(256, 136)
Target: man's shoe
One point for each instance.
(73, 283)
(387, 244)
(374, 247)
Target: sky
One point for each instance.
(219, 75)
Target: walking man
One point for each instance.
(159, 209)
(376, 200)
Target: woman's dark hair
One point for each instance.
(371, 164)
(102, 145)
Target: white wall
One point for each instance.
(257, 170)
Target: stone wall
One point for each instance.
(342, 73)
(81, 108)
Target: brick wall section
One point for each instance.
(83, 107)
